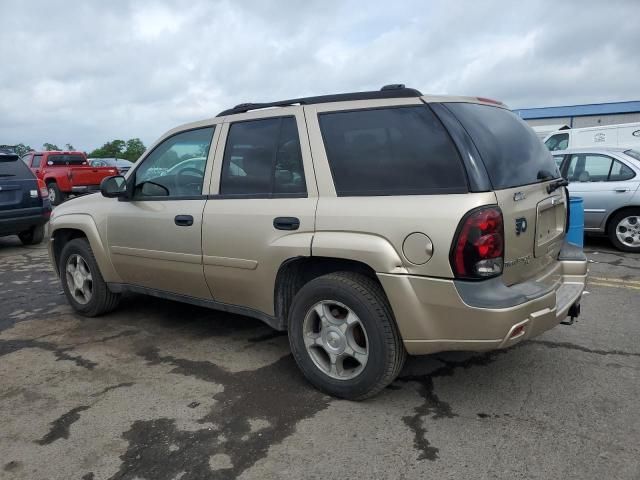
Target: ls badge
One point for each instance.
(521, 225)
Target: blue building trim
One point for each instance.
(580, 110)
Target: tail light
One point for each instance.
(478, 248)
(42, 189)
(43, 193)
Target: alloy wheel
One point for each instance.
(628, 231)
(79, 279)
(336, 340)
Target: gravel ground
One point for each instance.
(161, 390)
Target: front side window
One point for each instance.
(176, 167)
(37, 160)
(263, 157)
(391, 151)
(558, 142)
(587, 167)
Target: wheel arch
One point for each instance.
(67, 227)
(296, 272)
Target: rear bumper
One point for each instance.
(16, 221)
(80, 189)
(12, 226)
(435, 314)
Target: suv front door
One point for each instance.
(262, 208)
(603, 182)
(155, 235)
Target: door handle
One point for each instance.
(184, 220)
(621, 190)
(286, 223)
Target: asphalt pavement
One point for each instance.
(162, 390)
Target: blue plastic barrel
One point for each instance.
(576, 221)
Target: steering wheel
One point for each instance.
(193, 185)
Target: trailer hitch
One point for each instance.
(573, 314)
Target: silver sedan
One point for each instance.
(608, 180)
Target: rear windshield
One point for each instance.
(511, 151)
(633, 154)
(12, 166)
(66, 160)
(391, 151)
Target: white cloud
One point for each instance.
(88, 72)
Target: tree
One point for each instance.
(69, 147)
(130, 150)
(50, 146)
(134, 149)
(21, 149)
(112, 149)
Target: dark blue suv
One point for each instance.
(24, 200)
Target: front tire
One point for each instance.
(624, 230)
(33, 236)
(86, 290)
(343, 335)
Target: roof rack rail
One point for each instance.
(397, 90)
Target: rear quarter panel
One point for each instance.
(376, 221)
(57, 174)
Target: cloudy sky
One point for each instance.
(85, 72)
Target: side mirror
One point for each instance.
(115, 186)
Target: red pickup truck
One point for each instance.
(66, 173)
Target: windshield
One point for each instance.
(511, 152)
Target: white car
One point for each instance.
(625, 135)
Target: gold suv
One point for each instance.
(368, 225)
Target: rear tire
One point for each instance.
(86, 290)
(33, 236)
(624, 230)
(356, 304)
(56, 196)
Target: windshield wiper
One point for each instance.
(552, 187)
(7, 175)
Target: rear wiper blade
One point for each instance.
(552, 187)
(7, 175)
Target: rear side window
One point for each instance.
(391, 151)
(263, 157)
(66, 160)
(511, 152)
(12, 166)
(37, 160)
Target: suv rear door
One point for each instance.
(261, 210)
(520, 169)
